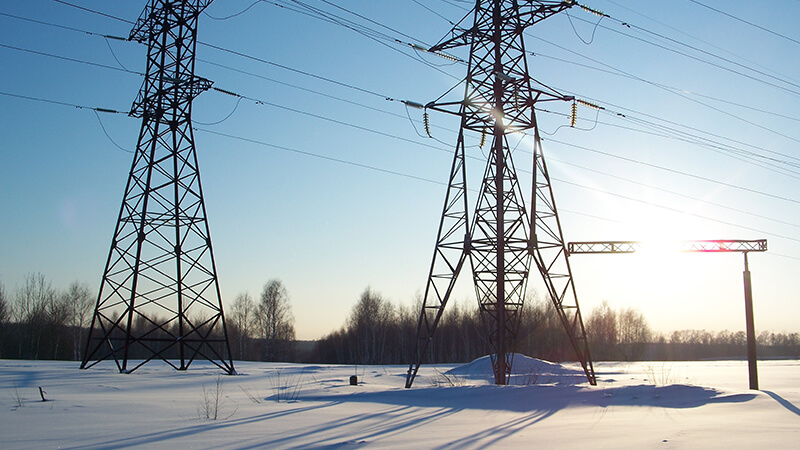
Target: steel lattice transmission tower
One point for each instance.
(502, 239)
(159, 297)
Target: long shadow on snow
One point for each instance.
(547, 399)
(337, 433)
(161, 437)
(536, 403)
(785, 403)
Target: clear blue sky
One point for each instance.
(330, 225)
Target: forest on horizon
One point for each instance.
(38, 321)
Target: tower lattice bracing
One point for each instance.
(502, 238)
(159, 297)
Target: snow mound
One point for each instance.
(524, 371)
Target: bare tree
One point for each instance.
(242, 317)
(58, 313)
(5, 307)
(368, 325)
(80, 304)
(31, 304)
(633, 333)
(5, 317)
(602, 331)
(275, 321)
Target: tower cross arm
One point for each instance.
(456, 37)
(152, 16)
(540, 10)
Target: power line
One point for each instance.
(370, 33)
(316, 92)
(671, 133)
(267, 62)
(336, 121)
(697, 130)
(328, 119)
(308, 74)
(369, 20)
(668, 191)
(746, 22)
(96, 109)
(95, 12)
(428, 180)
(233, 15)
(696, 38)
(64, 27)
(243, 55)
(411, 176)
(668, 208)
(611, 70)
(282, 66)
(325, 157)
(433, 12)
(584, 148)
(408, 140)
(219, 65)
(696, 58)
(65, 58)
(263, 102)
(675, 171)
(235, 107)
(679, 93)
(57, 102)
(103, 127)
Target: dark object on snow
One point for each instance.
(41, 392)
(353, 380)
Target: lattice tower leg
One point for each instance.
(448, 259)
(550, 254)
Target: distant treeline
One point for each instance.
(40, 322)
(378, 332)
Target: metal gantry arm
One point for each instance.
(700, 246)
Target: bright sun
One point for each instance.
(658, 258)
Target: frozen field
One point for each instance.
(273, 405)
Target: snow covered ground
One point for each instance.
(273, 405)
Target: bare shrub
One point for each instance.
(530, 378)
(17, 396)
(213, 402)
(285, 389)
(444, 379)
(255, 398)
(660, 378)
